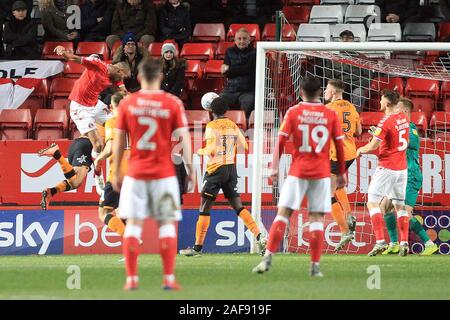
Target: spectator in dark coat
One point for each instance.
(55, 18)
(206, 11)
(252, 11)
(240, 68)
(136, 16)
(173, 70)
(133, 54)
(175, 22)
(96, 18)
(445, 8)
(399, 11)
(20, 34)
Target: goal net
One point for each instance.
(419, 71)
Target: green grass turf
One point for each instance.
(228, 276)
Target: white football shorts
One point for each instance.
(388, 183)
(85, 118)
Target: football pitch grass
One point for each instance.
(228, 276)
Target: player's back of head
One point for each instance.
(311, 88)
(150, 70)
(339, 85)
(124, 67)
(219, 106)
(407, 103)
(391, 95)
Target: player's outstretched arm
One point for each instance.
(61, 51)
(371, 146)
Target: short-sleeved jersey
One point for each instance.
(312, 125)
(349, 119)
(222, 137)
(150, 118)
(393, 131)
(92, 82)
(110, 125)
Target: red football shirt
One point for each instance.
(150, 118)
(393, 131)
(92, 82)
(312, 125)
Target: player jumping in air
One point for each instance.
(413, 186)
(351, 126)
(151, 118)
(312, 126)
(75, 168)
(222, 139)
(85, 108)
(109, 200)
(390, 177)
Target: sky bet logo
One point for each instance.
(31, 232)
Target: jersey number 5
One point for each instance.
(321, 140)
(144, 142)
(403, 142)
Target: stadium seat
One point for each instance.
(377, 85)
(358, 29)
(419, 32)
(50, 124)
(385, 32)
(424, 104)
(193, 69)
(197, 51)
(422, 88)
(209, 32)
(73, 130)
(238, 117)
(32, 104)
(212, 69)
(314, 32)
(444, 31)
(333, 2)
(61, 87)
(297, 15)
(61, 104)
(88, 48)
(358, 13)
(445, 95)
(369, 119)
(302, 2)
(73, 69)
(440, 120)
(202, 86)
(269, 32)
(326, 14)
(253, 30)
(40, 92)
(442, 136)
(116, 45)
(222, 48)
(49, 47)
(196, 118)
(15, 124)
(420, 120)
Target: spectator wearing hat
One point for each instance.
(175, 22)
(96, 18)
(133, 54)
(137, 16)
(20, 34)
(205, 11)
(55, 20)
(173, 70)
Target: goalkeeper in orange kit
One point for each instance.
(351, 126)
(222, 137)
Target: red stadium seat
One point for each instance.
(269, 119)
(61, 104)
(197, 51)
(202, 86)
(33, 104)
(88, 48)
(379, 84)
(297, 15)
(193, 69)
(253, 30)
(369, 119)
(73, 69)
(50, 124)
(440, 121)
(49, 47)
(444, 31)
(303, 2)
(40, 92)
(420, 120)
(422, 88)
(442, 136)
(426, 105)
(238, 117)
(222, 48)
(269, 32)
(197, 118)
(212, 69)
(61, 87)
(209, 32)
(15, 124)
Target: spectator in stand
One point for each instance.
(136, 16)
(399, 11)
(445, 8)
(206, 11)
(96, 18)
(175, 22)
(252, 11)
(133, 54)
(20, 34)
(5, 10)
(240, 68)
(54, 20)
(173, 70)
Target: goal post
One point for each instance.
(275, 94)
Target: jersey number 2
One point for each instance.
(320, 140)
(144, 142)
